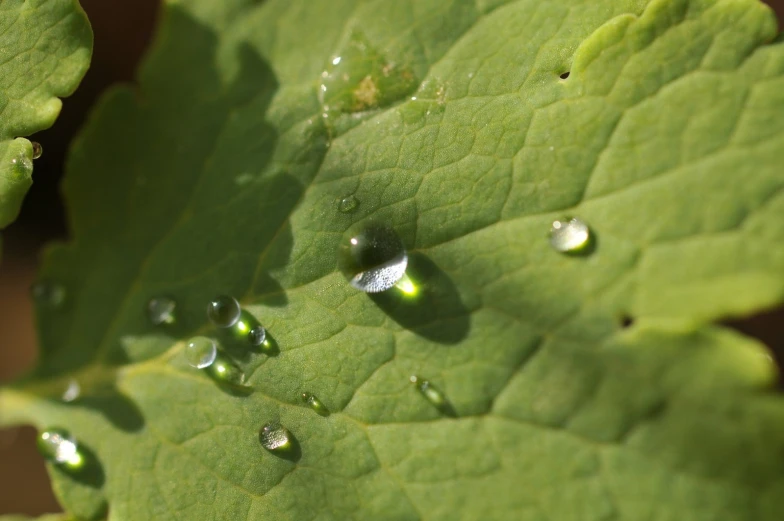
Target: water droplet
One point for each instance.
(247, 328)
(274, 437)
(160, 310)
(224, 311)
(314, 403)
(38, 150)
(570, 235)
(373, 258)
(433, 395)
(58, 446)
(223, 370)
(201, 352)
(72, 392)
(257, 335)
(48, 293)
(361, 78)
(348, 204)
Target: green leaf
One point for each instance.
(221, 174)
(45, 48)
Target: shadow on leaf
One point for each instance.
(431, 308)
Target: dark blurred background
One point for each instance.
(123, 29)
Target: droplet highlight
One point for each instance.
(224, 371)
(249, 329)
(314, 403)
(201, 352)
(433, 395)
(275, 438)
(373, 258)
(348, 204)
(48, 293)
(58, 446)
(570, 236)
(160, 310)
(223, 311)
(38, 150)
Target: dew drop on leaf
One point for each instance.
(247, 328)
(433, 395)
(314, 403)
(58, 446)
(160, 310)
(348, 204)
(48, 293)
(201, 352)
(372, 258)
(257, 335)
(223, 311)
(38, 150)
(274, 437)
(570, 235)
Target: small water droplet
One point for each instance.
(247, 328)
(257, 335)
(72, 392)
(48, 293)
(223, 311)
(58, 446)
(38, 150)
(160, 310)
(223, 370)
(348, 204)
(274, 437)
(373, 258)
(314, 403)
(570, 235)
(201, 352)
(433, 395)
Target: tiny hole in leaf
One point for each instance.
(564, 75)
(626, 321)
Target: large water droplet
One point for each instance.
(570, 235)
(72, 392)
(433, 395)
(361, 78)
(223, 311)
(38, 150)
(348, 204)
(48, 293)
(314, 403)
(373, 258)
(160, 310)
(274, 437)
(58, 446)
(201, 352)
(224, 371)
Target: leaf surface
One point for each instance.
(449, 121)
(45, 48)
